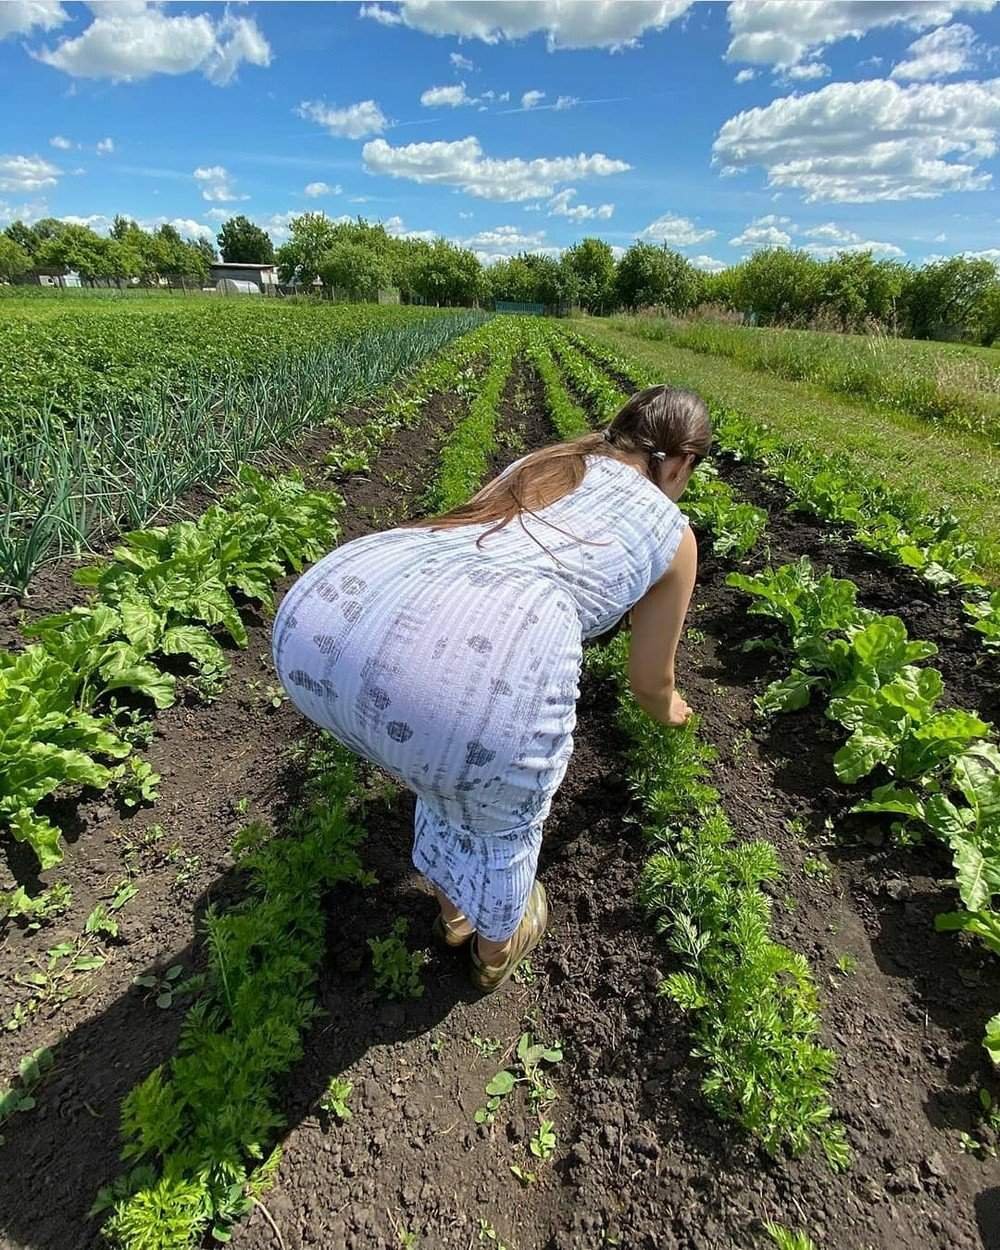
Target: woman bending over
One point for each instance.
(448, 652)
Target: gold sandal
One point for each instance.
(445, 935)
(489, 977)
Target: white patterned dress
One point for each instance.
(456, 667)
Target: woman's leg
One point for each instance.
(456, 921)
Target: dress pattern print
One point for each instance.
(455, 667)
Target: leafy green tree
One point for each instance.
(512, 280)
(778, 286)
(24, 236)
(442, 273)
(243, 243)
(858, 289)
(14, 260)
(312, 236)
(77, 248)
(950, 297)
(592, 262)
(207, 249)
(359, 271)
(657, 276)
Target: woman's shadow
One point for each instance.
(58, 1155)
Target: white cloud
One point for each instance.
(989, 253)
(134, 40)
(461, 62)
(709, 264)
(565, 23)
(28, 212)
(565, 102)
(831, 239)
(679, 231)
(96, 222)
(380, 14)
(105, 147)
(785, 32)
(315, 189)
(356, 121)
(873, 140)
(218, 214)
(465, 216)
(764, 232)
(20, 17)
(806, 70)
(532, 98)
(62, 143)
(27, 173)
(745, 75)
(559, 206)
(396, 227)
(462, 164)
(191, 229)
(941, 238)
(942, 52)
(447, 97)
(215, 184)
(506, 240)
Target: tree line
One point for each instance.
(852, 291)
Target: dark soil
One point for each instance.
(640, 1160)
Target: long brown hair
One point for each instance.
(659, 421)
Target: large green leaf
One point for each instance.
(992, 1039)
(40, 834)
(977, 775)
(145, 679)
(864, 750)
(978, 877)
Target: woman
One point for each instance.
(448, 652)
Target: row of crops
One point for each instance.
(108, 413)
(200, 1132)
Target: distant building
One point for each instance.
(260, 275)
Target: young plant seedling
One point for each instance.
(527, 1071)
(37, 911)
(103, 919)
(787, 1239)
(543, 1144)
(136, 782)
(164, 987)
(817, 869)
(524, 973)
(846, 965)
(396, 968)
(523, 1175)
(488, 1235)
(31, 1070)
(334, 1100)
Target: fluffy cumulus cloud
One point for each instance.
(452, 97)
(766, 231)
(355, 121)
(531, 99)
(218, 214)
(27, 173)
(316, 189)
(133, 40)
(677, 231)
(507, 239)
(26, 17)
(398, 229)
(105, 147)
(709, 264)
(61, 142)
(829, 239)
(786, 33)
(463, 164)
(216, 184)
(565, 23)
(96, 222)
(29, 212)
(865, 141)
(461, 62)
(938, 54)
(560, 206)
(745, 75)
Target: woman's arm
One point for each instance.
(657, 622)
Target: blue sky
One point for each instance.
(527, 124)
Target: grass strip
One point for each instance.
(930, 468)
(198, 1125)
(887, 521)
(752, 1001)
(945, 384)
(465, 453)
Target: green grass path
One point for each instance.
(945, 468)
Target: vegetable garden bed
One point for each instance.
(638, 1158)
